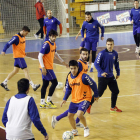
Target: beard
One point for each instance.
(84, 59)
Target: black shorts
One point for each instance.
(111, 82)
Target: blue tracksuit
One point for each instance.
(105, 61)
(92, 33)
(135, 16)
(92, 29)
(51, 24)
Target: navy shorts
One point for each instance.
(74, 107)
(20, 63)
(49, 76)
(91, 44)
(136, 30)
(82, 44)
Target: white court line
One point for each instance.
(103, 98)
(2, 127)
(67, 72)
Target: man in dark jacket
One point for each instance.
(40, 13)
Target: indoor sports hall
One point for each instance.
(114, 16)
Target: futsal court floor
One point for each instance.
(103, 125)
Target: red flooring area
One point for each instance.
(126, 52)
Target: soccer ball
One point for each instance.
(67, 135)
(60, 85)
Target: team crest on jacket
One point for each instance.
(52, 20)
(114, 57)
(93, 26)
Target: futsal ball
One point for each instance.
(60, 85)
(67, 135)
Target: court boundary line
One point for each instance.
(2, 128)
(78, 49)
(94, 71)
(63, 36)
(100, 98)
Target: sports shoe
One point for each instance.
(36, 36)
(115, 109)
(50, 105)
(75, 132)
(137, 50)
(86, 132)
(42, 106)
(80, 125)
(36, 87)
(88, 110)
(91, 70)
(4, 86)
(54, 121)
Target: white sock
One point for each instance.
(92, 65)
(32, 84)
(5, 81)
(42, 101)
(49, 98)
(55, 119)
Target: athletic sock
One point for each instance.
(62, 115)
(92, 65)
(5, 81)
(42, 101)
(32, 84)
(49, 98)
(77, 120)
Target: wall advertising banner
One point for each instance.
(113, 17)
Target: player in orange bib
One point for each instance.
(46, 57)
(82, 67)
(18, 44)
(79, 85)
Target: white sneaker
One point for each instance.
(80, 125)
(54, 121)
(36, 36)
(137, 50)
(75, 132)
(86, 132)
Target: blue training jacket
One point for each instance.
(135, 16)
(92, 29)
(105, 61)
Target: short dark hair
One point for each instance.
(73, 63)
(53, 33)
(23, 85)
(83, 49)
(25, 28)
(136, 0)
(109, 40)
(87, 13)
